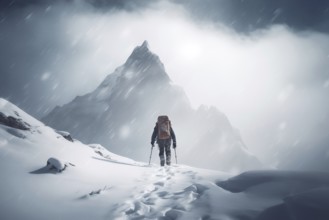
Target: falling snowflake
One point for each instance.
(124, 132)
(29, 16)
(45, 76)
(285, 93)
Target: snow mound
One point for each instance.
(265, 181)
(54, 166)
(55, 163)
(295, 195)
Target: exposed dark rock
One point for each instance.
(14, 122)
(69, 138)
(65, 135)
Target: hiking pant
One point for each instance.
(164, 146)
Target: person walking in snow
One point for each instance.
(163, 133)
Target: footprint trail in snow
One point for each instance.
(165, 193)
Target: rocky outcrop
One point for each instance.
(65, 135)
(13, 122)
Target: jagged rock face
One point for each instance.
(122, 112)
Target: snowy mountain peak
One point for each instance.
(142, 57)
(120, 114)
(142, 67)
(145, 44)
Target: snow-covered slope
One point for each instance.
(120, 114)
(95, 184)
(286, 195)
(89, 182)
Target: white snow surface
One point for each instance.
(98, 184)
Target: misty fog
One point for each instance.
(272, 83)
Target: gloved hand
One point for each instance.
(152, 144)
(174, 145)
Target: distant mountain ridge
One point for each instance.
(121, 113)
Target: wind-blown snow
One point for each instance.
(97, 184)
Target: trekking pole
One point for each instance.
(175, 155)
(151, 155)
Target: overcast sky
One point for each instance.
(264, 63)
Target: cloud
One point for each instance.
(242, 16)
(248, 16)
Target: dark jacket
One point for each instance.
(155, 134)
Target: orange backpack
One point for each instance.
(163, 127)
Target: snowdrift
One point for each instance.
(299, 195)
